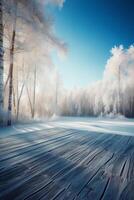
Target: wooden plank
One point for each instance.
(53, 160)
(66, 164)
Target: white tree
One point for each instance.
(1, 62)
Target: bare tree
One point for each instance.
(11, 66)
(18, 102)
(1, 61)
(32, 99)
(34, 92)
(19, 94)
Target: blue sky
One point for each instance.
(91, 28)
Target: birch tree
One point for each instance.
(1, 62)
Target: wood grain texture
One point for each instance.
(66, 164)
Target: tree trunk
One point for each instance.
(14, 101)
(29, 99)
(1, 63)
(18, 103)
(11, 80)
(56, 97)
(119, 91)
(11, 69)
(34, 93)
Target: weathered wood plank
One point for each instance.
(57, 164)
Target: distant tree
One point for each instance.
(34, 92)
(119, 90)
(31, 93)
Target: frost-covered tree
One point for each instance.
(1, 62)
(30, 13)
(113, 95)
(25, 22)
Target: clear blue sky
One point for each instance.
(91, 28)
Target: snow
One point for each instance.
(100, 125)
(121, 126)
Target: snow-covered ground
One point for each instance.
(100, 125)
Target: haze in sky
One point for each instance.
(91, 28)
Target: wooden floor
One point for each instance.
(66, 164)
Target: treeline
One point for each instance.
(86, 102)
(114, 94)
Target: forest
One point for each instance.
(27, 73)
(111, 96)
(31, 86)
